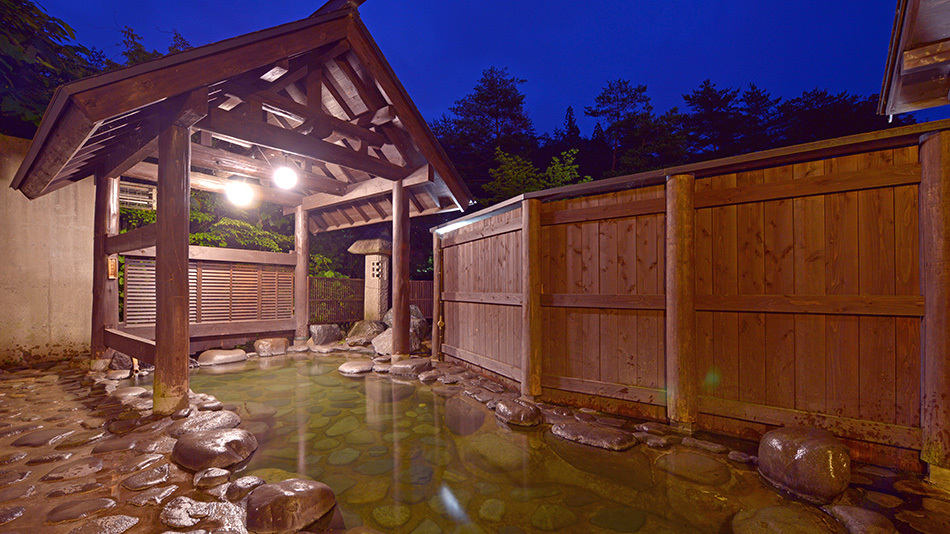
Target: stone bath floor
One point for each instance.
(80, 455)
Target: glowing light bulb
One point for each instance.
(285, 177)
(239, 193)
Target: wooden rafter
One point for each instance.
(365, 189)
(215, 184)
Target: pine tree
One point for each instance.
(622, 106)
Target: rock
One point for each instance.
(861, 521)
(75, 469)
(123, 443)
(203, 421)
(221, 356)
(883, 499)
(430, 376)
(709, 446)
(182, 512)
(271, 346)
(741, 457)
(493, 453)
(241, 487)
(412, 367)
(609, 438)
(73, 489)
(287, 506)
(414, 312)
(129, 392)
(211, 477)
(368, 492)
(39, 438)
(391, 517)
(784, 520)
(118, 374)
(381, 368)
(343, 426)
(213, 448)
(147, 479)
(323, 334)
(695, 467)
(9, 514)
(492, 510)
(550, 517)
(620, 519)
(49, 458)
(383, 343)
(808, 462)
(517, 412)
(114, 524)
(120, 362)
(463, 416)
(356, 367)
(18, 491)
(153, 496)
(73, 510)
(363, 332)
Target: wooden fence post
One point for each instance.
(681, 387)
(105, 292)
(437, 320)
(400, 272)
(301, 280)
(935, 284)
(531, 298)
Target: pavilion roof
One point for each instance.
(316, 92)
(917, 75)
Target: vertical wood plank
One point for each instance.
(751, 265)
(531, 298)
(809, 280)
(647, 283)
(779, 240)
(907, 282)
(627, 319)
(609, 319)
(706, 373)
(681, 384)
(725, 282)
(105, 292)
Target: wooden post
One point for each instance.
(531, 298)
(301, 278)
(105, 292)
(438, 323)
(681, 386)
(935, 284)
(400, 271)
(171, 271)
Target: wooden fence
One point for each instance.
(763, 290)
(340, 300)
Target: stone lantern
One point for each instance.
(376, 288)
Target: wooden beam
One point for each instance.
(382, 218)
(368, 94)
(105, 291)
(235, 126)
(625, 392)
(170, 391)
(466, 234)
(531, 321)
(206, 182)
(142, 237)
(877, 305)
(221, 329)
(925, 57)
(609, 302)
(681, 385)
(68, 134)
(333, 87)
(130, 344)
(400, 271)
(301, 277)
(438, 321)
(216, 158)
(486, 363)
(361, 190)
(935, 285)
(231, 255)
(483, 297)
(633, 208)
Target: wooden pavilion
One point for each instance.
(316, 93)
(917, 75)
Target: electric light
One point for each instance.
(239, 193)
(285, 177)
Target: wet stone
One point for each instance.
(419, 474)
(287, 506)
(343, 457)
(73, 510)
(598, 436)
(517, 412)
(147, 479)
(918, 487)
(14, 430)
(531, 493)
(343, 426)
(49, 458)
(79, 439)
(368, 492)
(39, 438)
(153, 496)
(182, 512)
(462, 416)
(360, 437)
(809, 462)
(211, 477)
(16, 492)
(138, 463)
(785, 520)
(157, 445)
(213, 448)
(620, 519)
(123, 443)
(11, 457)
(356, 367)
(857, 519)
(114, 524)
(241, 487)
(204, 421)
(925, 521)
(704, 445)
(11, 513)
(695, 467)
(741, 457)
(883, 499)
(551, 517)
(123, 426)
(376, 467)
(12, 477)
(183, 413)
(212, 406)
(74, 489)
(412, 367)
(391, 517)
(492, 510)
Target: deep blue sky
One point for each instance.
(566, 50)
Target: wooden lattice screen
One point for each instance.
(336, 300)
(220, 291)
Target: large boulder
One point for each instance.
(201, 421)
(271, 346)
(221, 356)
(324, 334)
(363, 332)
(223, 448)
(417, 322)
(808, 462)
(288, 506)
(414, 312)
(383, 343)
(120, 362)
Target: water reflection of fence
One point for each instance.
(340, 300)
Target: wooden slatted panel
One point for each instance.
(420, 294)
(245, 293)
(215, 292)
(334, 300)
(139, 301)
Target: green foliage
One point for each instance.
(321, 267)
(515, 175)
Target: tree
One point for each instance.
(759, 116)
(715, 120)
(622, 106)
(818, 114)
(37, 54)
(515, 175)
(491, 116)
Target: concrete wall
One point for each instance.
(45, 266)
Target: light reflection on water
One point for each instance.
(400, 457)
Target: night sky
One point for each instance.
(566, 50)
